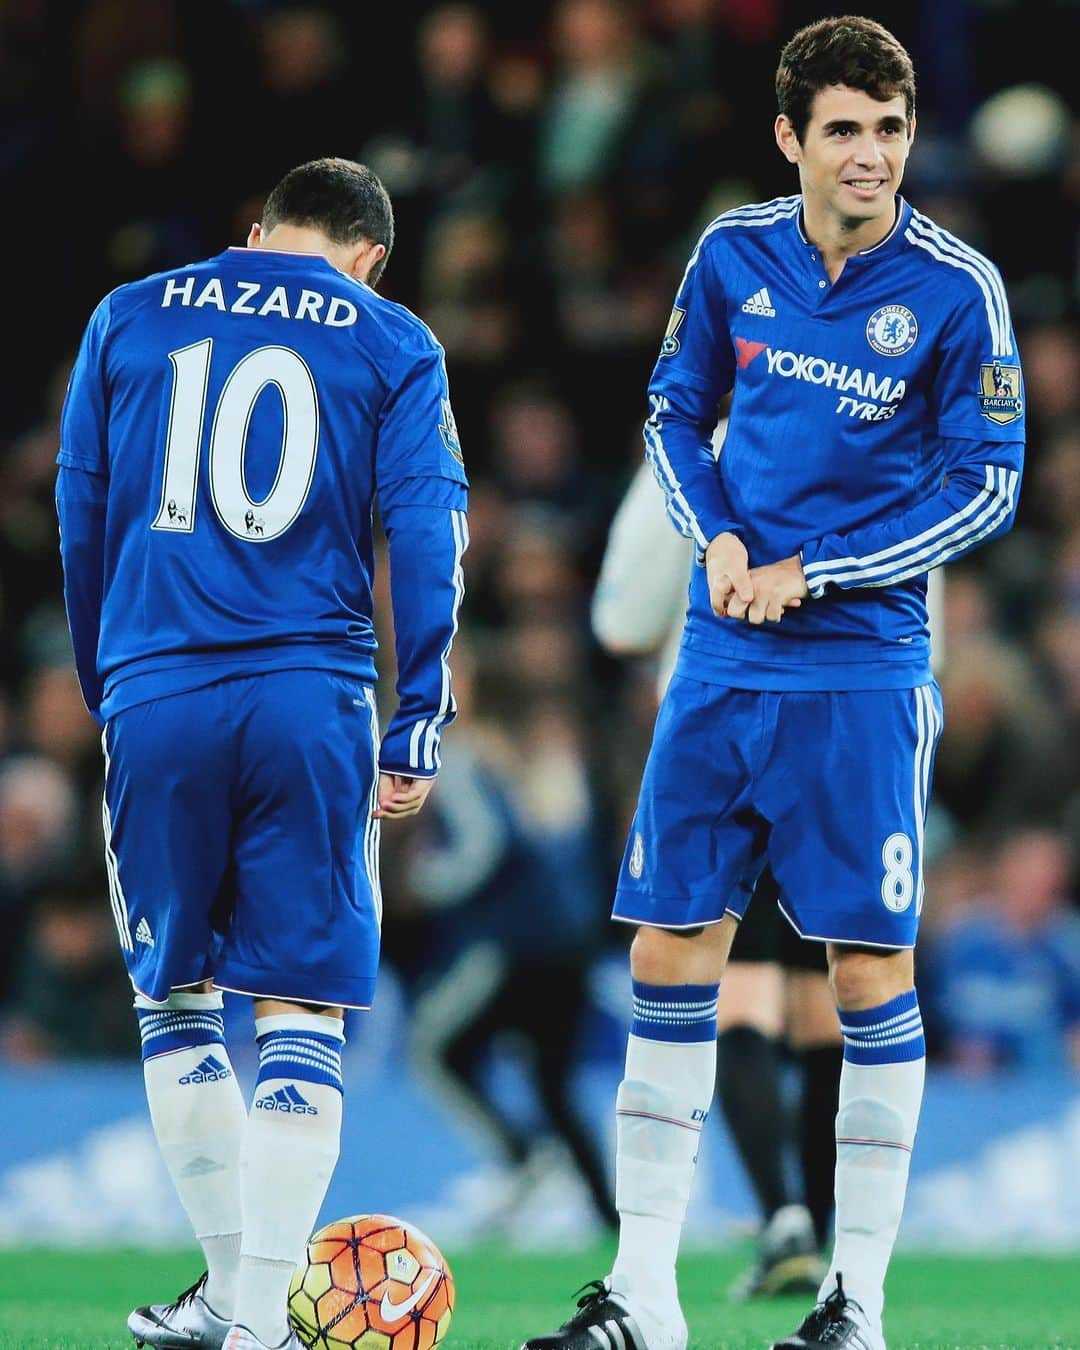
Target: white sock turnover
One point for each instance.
(662, 1105)
(881, 1087)
(199, 1119)
(292, 1145)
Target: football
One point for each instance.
(371, 1282)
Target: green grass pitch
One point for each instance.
(52, 1300)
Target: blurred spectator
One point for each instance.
(37, 112)
(1002, 759)
(555, 785)
(508, 907)
(969, 610)
(1051, 355)
(29, 558)
(537, 459)
(1055, 485)
(536, 578)
(455, 130)
(55, 721)
(1059, 642)
(310, 103)
(468, 300)
(111, 37)
(152, 174)
(1004, 973)
(37, 821)
(463, 143)
(1022, 136)
(599, 78)
(72, 996)
(608, 312)
(447, 142)
(38, 818)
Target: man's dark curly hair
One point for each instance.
(851, 51)
(344, 199)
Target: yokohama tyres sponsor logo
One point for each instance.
(844, 379)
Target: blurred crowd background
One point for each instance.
(551, 165)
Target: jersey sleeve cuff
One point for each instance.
(712, 529)
(412, 748)
(808, 554)
(405, 771)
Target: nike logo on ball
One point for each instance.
(390, 1311)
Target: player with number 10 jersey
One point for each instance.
(241, 417)
(229, 429)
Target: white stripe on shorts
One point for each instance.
(372, 828)
(112, 867)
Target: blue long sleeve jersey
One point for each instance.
(876, 428)
(227, 431)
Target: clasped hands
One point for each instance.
(739, 591)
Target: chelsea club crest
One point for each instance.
(637, 857)
(892, 330)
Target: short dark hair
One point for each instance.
(850, 50)
(344, 199)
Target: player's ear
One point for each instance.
(786, 139)
(366, 257)
(254, 235)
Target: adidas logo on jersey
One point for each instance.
(210, 1070)
(287, 1099)
(143, 933)
(760, 303)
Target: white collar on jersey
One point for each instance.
(901, 208)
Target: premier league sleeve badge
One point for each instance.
(999, 393)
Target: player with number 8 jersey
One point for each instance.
(876, 432)
(229, 428)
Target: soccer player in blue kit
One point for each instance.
(228, 427)
(876, 432)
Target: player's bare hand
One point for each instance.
(400, 796)
(777, 587)
(728, 570)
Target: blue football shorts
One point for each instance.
(239, 838)
(830, 788)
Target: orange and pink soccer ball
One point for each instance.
(371, 1282)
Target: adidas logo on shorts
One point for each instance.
(760, 303)
(210, 1070)
(143, 933)
(287, 1099)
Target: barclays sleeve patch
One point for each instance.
(999, 393)
(671, 344)
(449, 432)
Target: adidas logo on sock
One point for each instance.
(143, 933)
(760, 303)
(210, 1070)
(287, 1099)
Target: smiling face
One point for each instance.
(852, 154)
